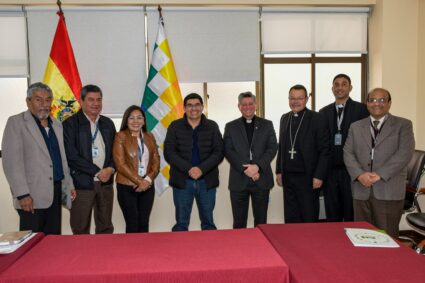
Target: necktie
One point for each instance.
(375, 124)
(340, 109)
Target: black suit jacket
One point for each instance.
(236, 151)
(353, 111)
(78, 147)
(314, 143)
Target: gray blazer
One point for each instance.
(393, 150)
(236, 151)
(27, 163)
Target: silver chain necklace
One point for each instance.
(292, 151)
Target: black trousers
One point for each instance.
(301, 202)
(136, 207)
(338, 197)
(240, 205)
(47, 220)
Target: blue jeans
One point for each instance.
(183, 201)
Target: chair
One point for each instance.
(415, 170)
(415, 218)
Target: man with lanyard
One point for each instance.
(89, 138)
(35, 165)
(194, 148)
(376, 154)
(302, 158)
(250, 146)
(339, 116)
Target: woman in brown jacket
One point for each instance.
(137, 163)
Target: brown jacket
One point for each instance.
(126, 158)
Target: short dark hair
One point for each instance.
(342, 76)
(379, 89)
(192, 95)
(246, 94)
(89, 88)
(124, 122)
(299, 87)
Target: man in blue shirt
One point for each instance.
(194, 148)
(35, 163)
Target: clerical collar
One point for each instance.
(249, 121)
(296, 115)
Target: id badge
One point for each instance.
(338, 139)
(95, 151)
(142, 171)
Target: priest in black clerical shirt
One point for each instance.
(250, 145)
(302, 158)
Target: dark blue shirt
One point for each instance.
(196, 158)
(53, 147)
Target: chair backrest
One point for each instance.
(415, 169)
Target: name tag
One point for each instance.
(338, 139)
(94, 151)
(141, 171)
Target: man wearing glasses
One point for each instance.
(194, 147)
(376, 153)
(302, 158)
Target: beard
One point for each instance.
(42, 115)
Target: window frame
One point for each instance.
(312, 60)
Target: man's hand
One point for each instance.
(367, 179)
(317, 183)
(105, 174)
(27, 204)
(251, 170)
(256, 177)
(195, 173)
(73, 194)
(279, 179)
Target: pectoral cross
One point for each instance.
(292, 152)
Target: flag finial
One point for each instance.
(59, 3)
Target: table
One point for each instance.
(6, 260)
(321, 252)
(209, 256)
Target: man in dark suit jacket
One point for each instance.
(250, 146)
(302, 158)
(376, 153)
(339, 116)
(89, 138)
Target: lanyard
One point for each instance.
(339, 118)
(141, 147)
(93, 138)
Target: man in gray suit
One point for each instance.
(376, 153)
(249, 145)
(35, 164)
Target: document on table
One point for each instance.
(370, 238)
(10, 248)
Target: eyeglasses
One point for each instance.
(193, 106)
(380, 100)
(296, 99)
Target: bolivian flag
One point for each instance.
(62, 74)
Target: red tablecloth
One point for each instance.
(7, 260)
(210, 256)
(321, 252)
